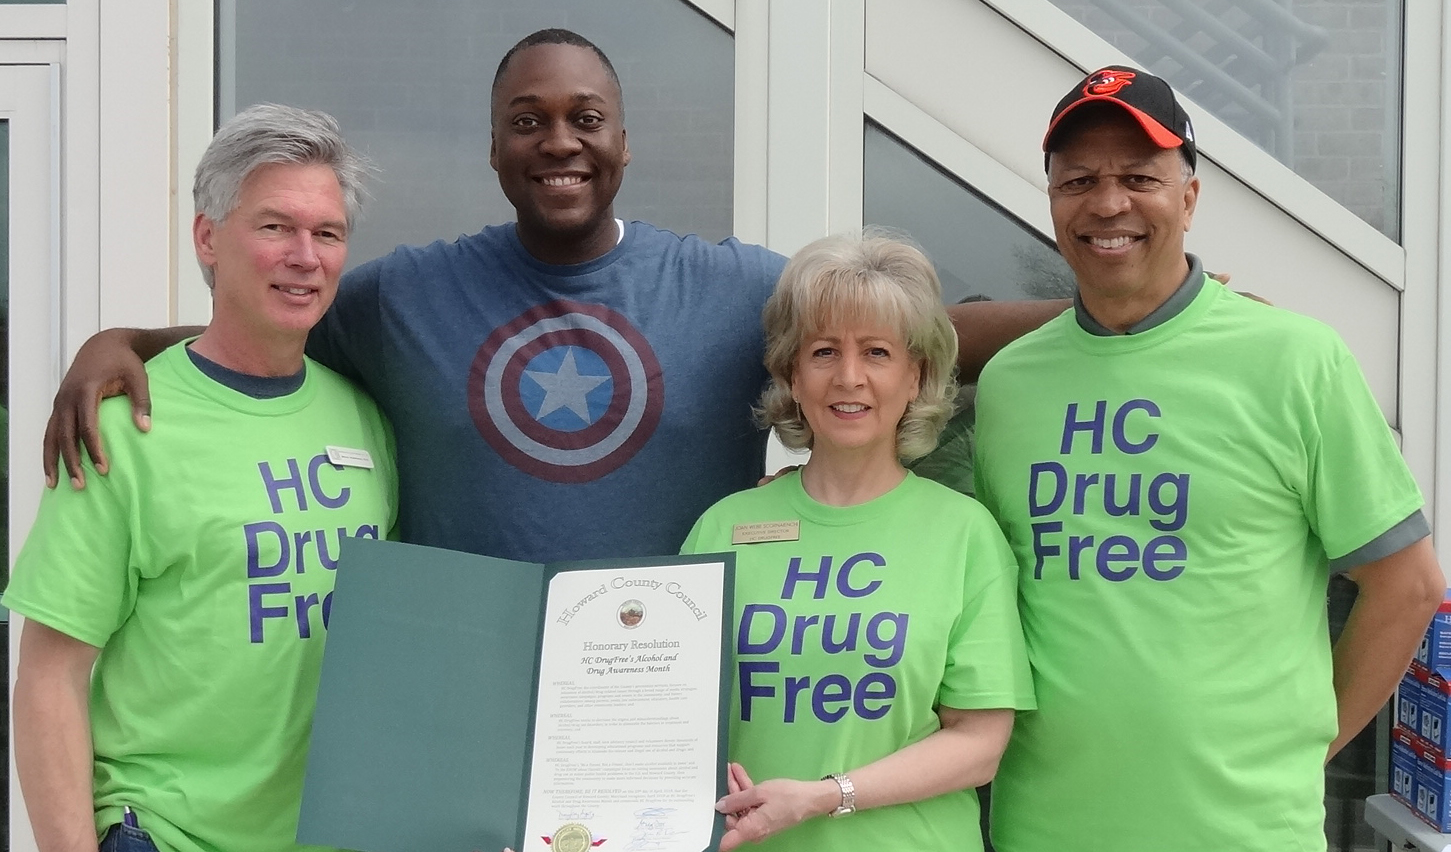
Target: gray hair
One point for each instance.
(274, 133)
(876, 276)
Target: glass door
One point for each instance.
(29, 306)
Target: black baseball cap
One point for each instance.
(1147, 98)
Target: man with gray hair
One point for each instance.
(175, 611)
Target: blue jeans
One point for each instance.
(124, 838)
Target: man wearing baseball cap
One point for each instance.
(1180, 469)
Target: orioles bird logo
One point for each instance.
(1108, 82)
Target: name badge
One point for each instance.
(764, 532)
(346, 457)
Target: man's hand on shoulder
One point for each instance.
(109, 364)
(104, 366)
(1223, 278)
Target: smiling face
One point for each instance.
(559, 148)
(1120, 207)
(277, 256)
(853, 384)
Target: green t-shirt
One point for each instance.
(850, 637)
(1172, 497)
(202, 566)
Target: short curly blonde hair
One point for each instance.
(878, 277)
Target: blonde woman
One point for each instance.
(879, 658)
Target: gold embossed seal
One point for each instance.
(571, 837)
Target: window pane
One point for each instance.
(1317, 84)
(979, 250)
(409, 82)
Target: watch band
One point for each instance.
(848, 794)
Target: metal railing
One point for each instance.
(1228, 68)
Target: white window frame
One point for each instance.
(30, 98)
(1425, 308)
(109, 215)
(194, 117)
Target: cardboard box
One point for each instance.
(1408, 703)
(1429, 701)
(1420, 770)
(1435, 650)
(1422, 749)
(1433, 797)
(1418, 785)
(1419, 672)
(1435, 711)
(1403, 773)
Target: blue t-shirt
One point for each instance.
(560, 412)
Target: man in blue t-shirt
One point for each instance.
(565, 386)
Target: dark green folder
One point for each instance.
(421, 738)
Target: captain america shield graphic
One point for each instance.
(566, 392)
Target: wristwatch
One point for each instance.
(848, 794)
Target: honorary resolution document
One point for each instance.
(627, 737)
(468, 703)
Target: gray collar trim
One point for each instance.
(1171, 308)
(257, 387)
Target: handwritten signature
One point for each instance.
(653, 830)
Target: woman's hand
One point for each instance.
(757, 811)
(736, 781)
